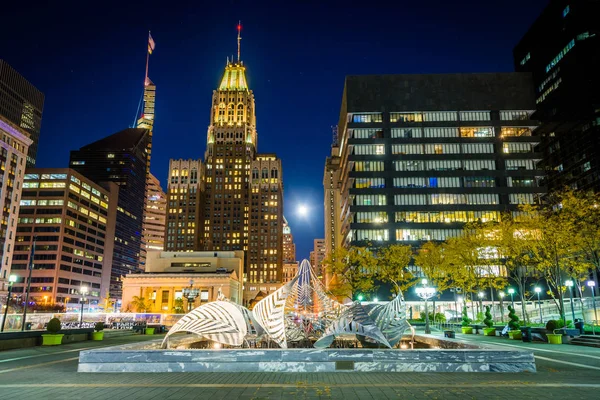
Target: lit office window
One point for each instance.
(406, 117)
(442, 148)
(515, 115)
(367, 118)
(479, 131)
(407, 149)
(366, 166)
(367, 133)
(369, 183)
(506, 131)
(370, 200)
(371, 217)
(370, 234)
(478, 148)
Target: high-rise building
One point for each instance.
(22, 104)
(331, 186)
(155, 216)
(421, 155)
(242, 191)
(562, 51)
(121, 158)
(289, 247)
(71, 220)
(14, 143)
(265, 242)
(317, 256)
(185, 187)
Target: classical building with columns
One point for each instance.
(168, 275)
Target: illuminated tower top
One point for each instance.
(232, 118)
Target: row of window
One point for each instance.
(441, 116)
(447, 165)
(468, 132)
(444, 182)
(445, 198)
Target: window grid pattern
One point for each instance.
(440, 116)
(475, 116)
(408, 235)
(369, 149)
(370, 200)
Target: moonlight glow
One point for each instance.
(302, 210)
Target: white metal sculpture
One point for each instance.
(298, 312)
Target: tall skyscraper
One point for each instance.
(121, 158)
(22, 104)
(185, 188)
(421, 155)
(289, 247)
(14, 142)
(71, 219)
(154, 215)
(242, 191)
(331, 186)
(562, 51)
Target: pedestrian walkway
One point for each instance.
(50, 372)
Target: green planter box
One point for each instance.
(489, 331)
(515, 335)
(98, 335)
(52, 340)
(554, 338)
(467, 330)
(149, 331)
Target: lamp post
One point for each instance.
(569, 284)
(511, 291)
(480, 297)
(31, 256)
(501, 295)
(83, 290)
(11, 279)
(191, 294)
(426, 292)
(591, 284)
(538, 291)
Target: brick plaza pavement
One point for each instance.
(50, 373)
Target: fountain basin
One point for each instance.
(445, 356)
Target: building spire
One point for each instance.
(239, 39)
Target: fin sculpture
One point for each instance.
(391, 319)
(220, 321)
(354, 321)
(270, 313)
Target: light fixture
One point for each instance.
(511, 291)
(501, 294)
(537, 289)
(591, 283)
(424, 281)
(569, 283)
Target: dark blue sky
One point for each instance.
(89, 61)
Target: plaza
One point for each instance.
(561, 370)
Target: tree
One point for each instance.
(178, 306)
(392, 266)
(140, 304)
(435, 265)
(554, 250)
(517, 241)
(352, 271)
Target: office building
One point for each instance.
(332, 200)
(120, 158)
(421, 155)
(71, 219)
(14, 143)
(562, 52)
(22, 105)
(240, 192)
(289, 247)
(153, 227)
(185, 188)
(317, 255)
(169, 273)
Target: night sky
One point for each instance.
(89, 62)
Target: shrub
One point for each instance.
(513, 324)
(99, 326)
(554, 324)
(466, 321)
(488, 317)
(53, 326)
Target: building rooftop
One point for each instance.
(438, 92)
(234, 77)
(125, 139)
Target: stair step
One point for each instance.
(586, 344)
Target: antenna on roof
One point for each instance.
(239, 38)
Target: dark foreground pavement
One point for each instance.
(51, 373)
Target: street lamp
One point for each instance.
(538, 291)
(480, 297)
(569, 284)
(501, 294)
(511, 291)
(11, 279)
(591, 285)
(191, 294)
(426, 292)
(83, 290)
(359, 297)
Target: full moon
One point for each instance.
(302, 210)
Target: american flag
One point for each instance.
(151, 44)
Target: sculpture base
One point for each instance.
(449, 356)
